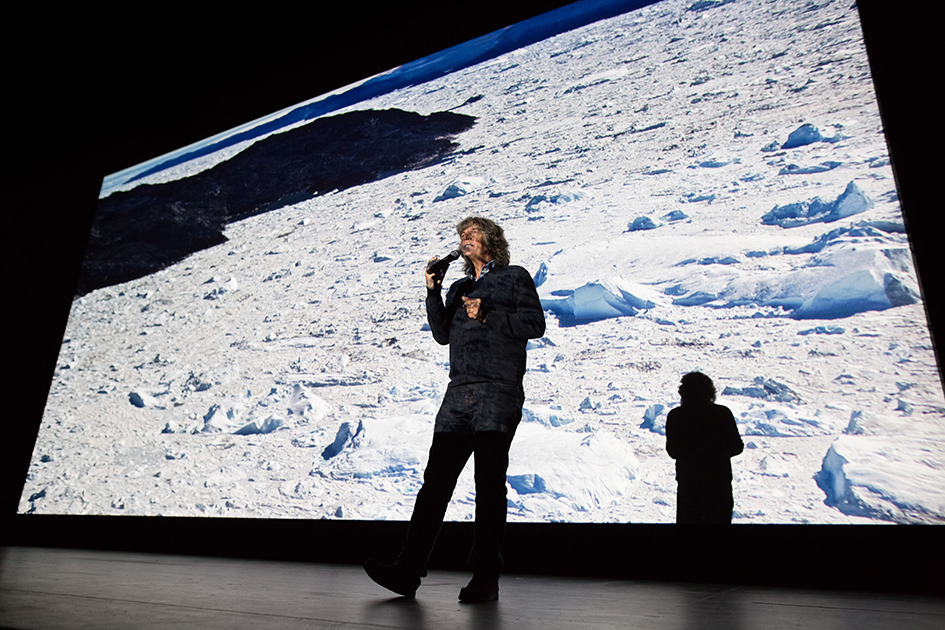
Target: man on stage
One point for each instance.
(487, 320)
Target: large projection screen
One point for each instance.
(693, 185)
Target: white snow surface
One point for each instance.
(567, 476)
(287, 373)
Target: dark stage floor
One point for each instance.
(51, 588)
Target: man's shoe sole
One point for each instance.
(383, 576)
(468, 596)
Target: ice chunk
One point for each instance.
(269, 425)
(541, 342)
(636, 295)
(222, 418)
(900, 290)
(388, 447)
(716, 260)
(887, 478)
(860, 233)
(904, 407)
(865, 290)
(675, 215)
(221, 289)
(772, 420)
(654, 418)
(641, 223)
(851, 201)
(527, 484)
(541, 202)
(855, 425)
(803, 135)
(541, 275)
(794, 169)
(343, 437)
(548, 416)
(461, 187)
(306, 404)
(796, 214)
(714, 163)
(765, 389)
(828, 287)
(603, 299)
(141, 399)
(823, 330)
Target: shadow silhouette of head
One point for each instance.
(696, 389)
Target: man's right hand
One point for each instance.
(434, 281)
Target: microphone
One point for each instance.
(439, 266)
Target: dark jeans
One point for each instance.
(448, 455)
(480, 407)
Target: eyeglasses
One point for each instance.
(470, 233)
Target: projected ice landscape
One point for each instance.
(694, 186)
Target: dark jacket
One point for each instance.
(494, 351)
(702, 439)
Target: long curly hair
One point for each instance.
(493, 238)
(696, 388)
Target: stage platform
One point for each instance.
(55, 588)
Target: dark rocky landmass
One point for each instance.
(143, 230)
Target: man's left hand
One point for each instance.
(474, 309)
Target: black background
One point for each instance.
(87, 94)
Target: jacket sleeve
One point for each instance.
(527, 320)
(436, 316)
(439, 315)
(733, 441)
(672, 438)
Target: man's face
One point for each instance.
(471, 244)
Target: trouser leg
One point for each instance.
(492, 463)
(704, 503)
(448, 455)
(687, 504)
(721, 504)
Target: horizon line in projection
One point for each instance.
(410, 74)
(693, 186)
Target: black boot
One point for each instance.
(481, 588)
(398, 576)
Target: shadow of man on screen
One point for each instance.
(702, 437)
